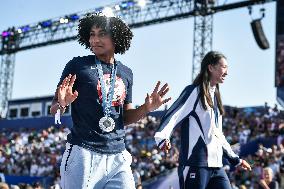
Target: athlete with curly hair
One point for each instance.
(99, 89)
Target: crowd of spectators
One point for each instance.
(39, 152)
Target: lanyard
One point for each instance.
(106, 98)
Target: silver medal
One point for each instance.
(106, 124)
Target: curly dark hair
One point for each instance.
(119, 31)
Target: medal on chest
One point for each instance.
(106, 123)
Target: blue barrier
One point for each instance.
(15, 180)
(251, 147)
(34, 123)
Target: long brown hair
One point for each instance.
(203, 78)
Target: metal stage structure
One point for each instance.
(133, 12)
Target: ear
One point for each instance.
(210, 68)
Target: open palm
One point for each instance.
(65, 93)
(156, 99)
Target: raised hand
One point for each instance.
(65, 93)
(155, 100)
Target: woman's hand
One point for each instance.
(155, 100)
(245, 165)
(65, 93)
(167, 146)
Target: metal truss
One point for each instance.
(154, 12)
(202, 41)
(6, 81)
(135, 16)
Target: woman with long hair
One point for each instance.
(198, 111)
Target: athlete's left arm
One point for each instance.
(232, 156)
(152, 102)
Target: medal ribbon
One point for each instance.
(106, 98)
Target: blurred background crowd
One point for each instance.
(38, 153)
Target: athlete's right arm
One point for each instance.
(173, 117)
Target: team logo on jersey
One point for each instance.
(119, 90)
(192, 175)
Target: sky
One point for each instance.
(158, 52)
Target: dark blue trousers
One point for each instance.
(203, 178)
